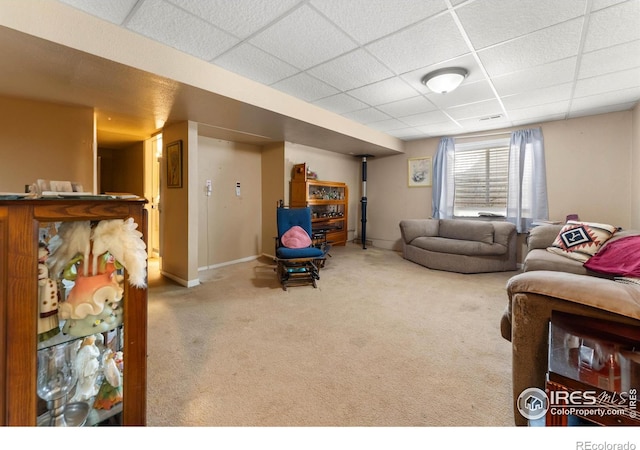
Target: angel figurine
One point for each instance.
(110, 393)
(87, 368)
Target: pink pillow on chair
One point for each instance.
(296, 237)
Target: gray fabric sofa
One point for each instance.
(460, 245)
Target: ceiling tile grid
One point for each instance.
(527, 60)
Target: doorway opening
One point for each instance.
(153, 150)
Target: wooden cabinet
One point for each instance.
(22, 222)
(328, 201)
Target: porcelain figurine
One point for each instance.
(93, 304)
(110, 393)
(48, 323)
(87, 367)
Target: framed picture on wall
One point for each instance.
(420, 172)
(174, 164)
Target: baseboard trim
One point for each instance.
(229, 263)
(181, 281)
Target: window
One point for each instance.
(481, 178)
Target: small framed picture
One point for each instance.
(174, 164)
(420, 172)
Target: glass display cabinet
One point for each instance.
(328, 201)
(73, 307)
(594, 372)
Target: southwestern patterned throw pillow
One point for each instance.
(581, 240)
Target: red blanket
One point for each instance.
(618, 258)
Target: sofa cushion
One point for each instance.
(413, 228)
(467, 230)
(542, 236)
(458, 246)
(541, 259)
(581, 240)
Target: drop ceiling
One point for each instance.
(529, 61)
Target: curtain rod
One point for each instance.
(482, 135)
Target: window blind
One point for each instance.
(481, 179)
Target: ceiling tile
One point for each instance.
(426, 118)
(388, 125)
(351, 70)
(620, 97)
(611, 59)
(115, 11)
(367, 115)
(446, 128)
(600, 4)
(482, 109)
(366, 20)
(238, 17)
(255, 64)
(340, 103)
(557, 72)
(530, 120)
(544, 46)
(538, 96)
(176, 28)
(305, 86)
(407, 107)
(491, 21)
(603, 109)
(421, 45)
(365, 59)
(471, 125)
(539, 111)
(612, 26)
(387, 91)
(407, 133)
(295, 39)
(608, 83)
(465, 94)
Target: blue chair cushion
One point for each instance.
(293, 253)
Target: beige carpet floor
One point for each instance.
(380, 342)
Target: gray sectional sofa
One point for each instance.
(460, 245)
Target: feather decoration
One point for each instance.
(73, 238)
(121, 239)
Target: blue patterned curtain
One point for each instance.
(443, 188)
(527, 196)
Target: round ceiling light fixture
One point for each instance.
(445, 80)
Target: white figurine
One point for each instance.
(87, 367)
(48, 324)
(110, 393)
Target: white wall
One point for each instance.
(229, 225)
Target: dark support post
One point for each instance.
(363, 202)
